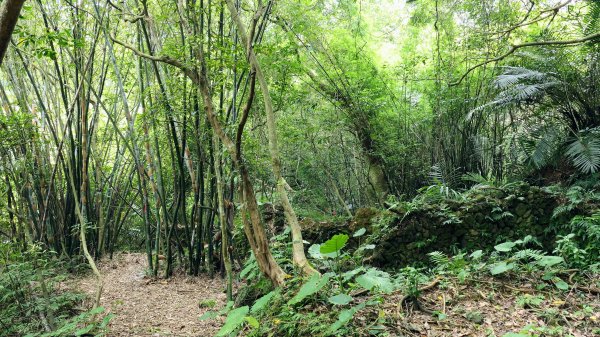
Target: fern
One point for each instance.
(588, 227)
(439, 259)
(528, 254)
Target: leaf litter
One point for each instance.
(145, 306)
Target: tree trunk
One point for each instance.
(222, 223)
(9, 14)
(297, 243)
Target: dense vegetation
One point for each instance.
(345, 166)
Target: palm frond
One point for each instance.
(592, 19)
(584, 153)
(517, 75)
(543, 146)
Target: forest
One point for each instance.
(403, 168)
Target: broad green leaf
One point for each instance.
(334, 245)
(260, 303)
(549, 261)
(505, 247)
(548, 276)
(246, 271)
(345, 317)
(359, 232)
(106, 320)
(351, 273)
(315, 251)
(234, 320)
(514, 334)
(365, 247)
(253, 322)
(476, 254)
(501, 267)
(560, 284)
(376, 279)
(340, 299)
(314, 284)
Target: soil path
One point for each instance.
(146, 307)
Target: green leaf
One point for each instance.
(345, 317)
(96, 311)
(227, 307)
(351, 273)
(501, 267)
(106, 320)
(234, 320)
(340, 299)
(584, 152)
(476, 254)
(549, 261)
(514, 334)
(359, 232)
(376, 279)
(253, 322)
(84, 330)
(334, 245)
(314, 284)
(260, 303)
(208, 315)
(505, 247)
(548, 276)
(315, 251)
(560, 284)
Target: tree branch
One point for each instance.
(245, 113)
(516, 47)
(164, 59)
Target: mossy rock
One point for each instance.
(363, 218)
(321, 231)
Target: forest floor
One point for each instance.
(490, 307)
(154, 307)
(484, 306)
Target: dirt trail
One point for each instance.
(145, 307)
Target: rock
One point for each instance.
(521, 209)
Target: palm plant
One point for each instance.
(558, 105)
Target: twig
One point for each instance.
(592, 290)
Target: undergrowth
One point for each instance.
(351, 298)
(31, 301)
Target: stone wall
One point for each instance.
(484, 218)
(481, 219)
